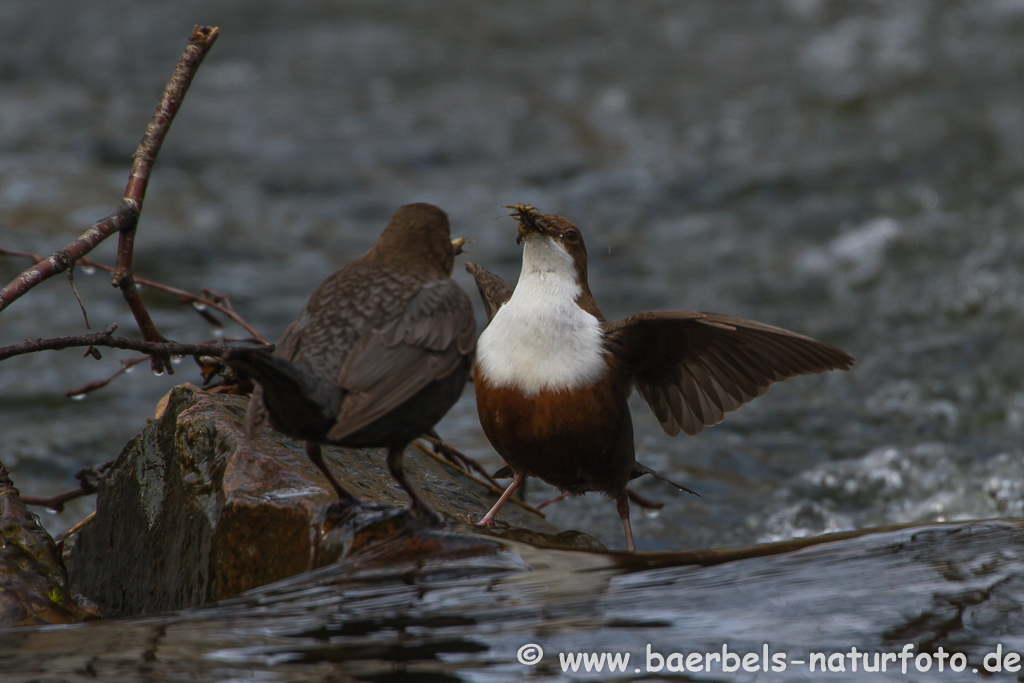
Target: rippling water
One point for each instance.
(459, 619)
(853, 171)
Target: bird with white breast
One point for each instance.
(553, 377)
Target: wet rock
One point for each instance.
(191, 513)
(33, 580)
(391, 535)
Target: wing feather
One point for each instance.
(692, 368)
(430, 339)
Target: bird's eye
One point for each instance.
(572, 236)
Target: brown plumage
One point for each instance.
(553, 376)
(379, 353)
(537, 431)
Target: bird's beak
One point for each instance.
(457, 244)
(530, 220)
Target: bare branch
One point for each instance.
(199, 44)
(88, 478)
(56, 503)
(106, 338)
(71, 279)
(455, 456)
(125, 219)
(126, 365)
(60, 261)
(206, 315)
(210, 299)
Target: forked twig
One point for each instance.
(210, 299)
(125, 220)
(88, 478)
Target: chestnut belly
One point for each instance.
(578, 440)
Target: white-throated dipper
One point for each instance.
(380, 352)
(552, 376)
(495, 293)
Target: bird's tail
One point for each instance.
(494, 291)
(291, 393)
(639, 469)
(263, 367)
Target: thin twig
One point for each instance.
(56, 503)
(138, 180)
(126, 365)
(218, 302)
(71, 279)
(106, 338)
(452, 454)
(248, 340)
(207, 316)
(88, 477)
(76, 528)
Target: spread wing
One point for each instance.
(493, 290)
(694, 367)
(434, 335)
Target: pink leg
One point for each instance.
(488, 519)
(561, 496)
(622, 505)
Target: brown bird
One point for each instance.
(552, 376)
(495, 293)
(380, 352)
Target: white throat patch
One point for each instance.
(540, 339)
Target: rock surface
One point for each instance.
(191, 513)
(33, 580)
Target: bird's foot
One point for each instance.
(488, 520)
(472, 520)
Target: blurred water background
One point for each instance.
(850, 170)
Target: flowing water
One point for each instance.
(850, 170)
(949, 590)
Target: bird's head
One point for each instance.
(553, 243)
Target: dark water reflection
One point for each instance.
(854, 171)
(958, 588)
